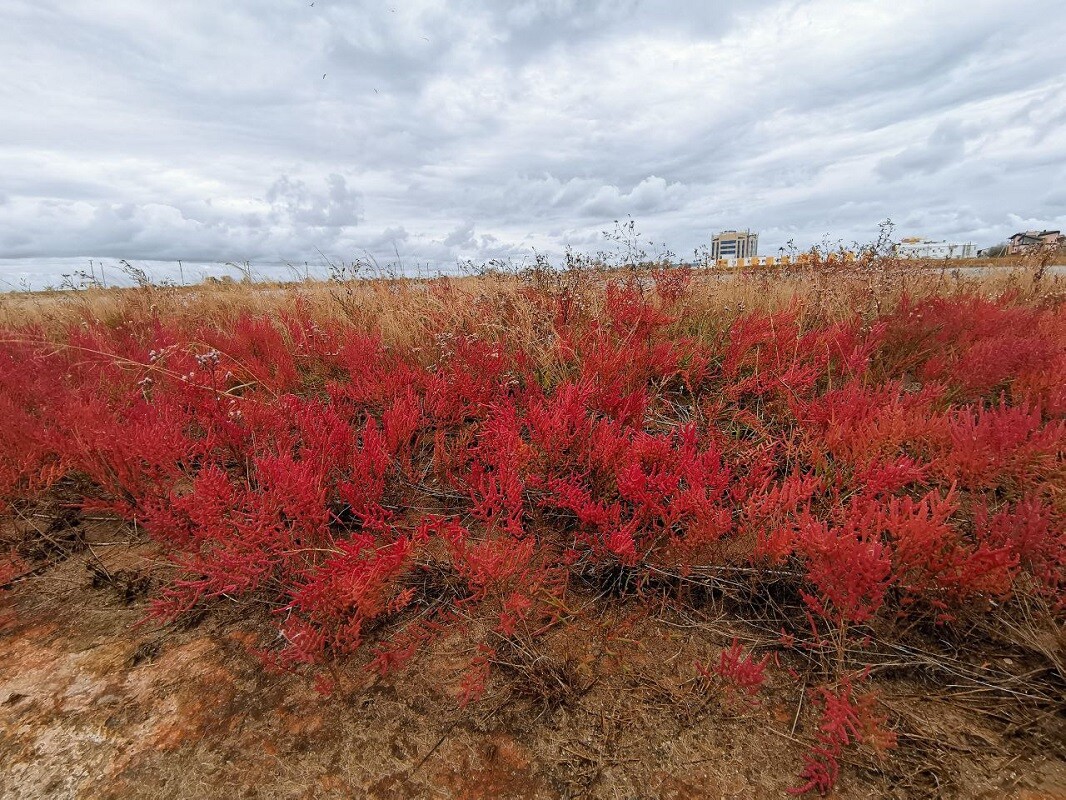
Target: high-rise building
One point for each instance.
(734, 244)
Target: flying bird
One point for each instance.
(323, 76)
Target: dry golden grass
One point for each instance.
(402, 311)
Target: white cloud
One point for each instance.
(457, 129)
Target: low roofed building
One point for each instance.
(1028, 240)
(916, 247)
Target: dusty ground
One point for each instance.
(94, 706)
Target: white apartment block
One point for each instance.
(928, 249)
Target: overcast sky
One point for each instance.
(271, 130)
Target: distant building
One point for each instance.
(916, 247)
(734, 244)
(1028, 240)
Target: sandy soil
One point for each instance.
(94, 706)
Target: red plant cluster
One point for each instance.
(847, 718)
(912, 464)
(737, 670)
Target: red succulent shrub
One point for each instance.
(877, 468)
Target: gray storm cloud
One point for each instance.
(437, 131)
